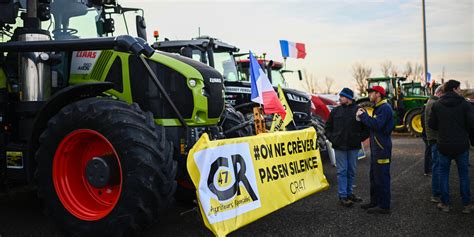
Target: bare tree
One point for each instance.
(386, 67)
(408, 70)
(360, 73)
(310, 82)
(418, 72)
(394, 72)
(329, 82)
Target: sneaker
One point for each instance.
(368, 205)
(354, 198)
(345, 202)
(378, 210)
(443, 207)
(468, 209)
(435, 199)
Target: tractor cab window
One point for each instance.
(385, 84)
(225, 64)
(278, 79)
(414, 90)
(74, 19)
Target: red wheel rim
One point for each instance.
(76, 194)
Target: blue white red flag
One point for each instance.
(262, 90)
(292, 49)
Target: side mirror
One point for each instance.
(141, 27)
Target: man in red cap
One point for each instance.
(381, 126)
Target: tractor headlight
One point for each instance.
(192, 83)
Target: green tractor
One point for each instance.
(406, 99)
(99, 125)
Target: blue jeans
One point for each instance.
(428, 157)
(435, 179)
(346, 164)
(462, 162)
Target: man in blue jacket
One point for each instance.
(381, 126)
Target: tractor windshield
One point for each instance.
(74, 19)
(383, 83)
(225, 64)
(414, 90)
(278, 79)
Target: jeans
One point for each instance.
(462, 162)
(435, 178)
(428, 157)
(346, 164)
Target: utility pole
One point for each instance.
(425, 63)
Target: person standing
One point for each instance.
(428, 156)
(381, 125)
(345, 134)
(431, 138)
(453, 118)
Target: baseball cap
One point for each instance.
(378, 89)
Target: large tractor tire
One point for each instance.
(413, 123)
(234, 123)
(319, 126)
(104, 168)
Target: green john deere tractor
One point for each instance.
(92, 123)
(407, 100)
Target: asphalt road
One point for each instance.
(317, 215)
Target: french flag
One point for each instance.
(262, 90)
(292, 49)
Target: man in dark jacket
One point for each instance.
(345, 134)
(381, 126)
(453, 117)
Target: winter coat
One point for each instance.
(431, 135)
(453, 117)
(381, 127)
(343, 130)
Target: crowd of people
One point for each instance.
(448, 121)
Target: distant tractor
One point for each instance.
(407, 100)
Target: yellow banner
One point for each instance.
(243, 179)
(278, 124)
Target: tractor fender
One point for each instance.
(60, 99)
(408, 112)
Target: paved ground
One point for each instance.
(317, 215)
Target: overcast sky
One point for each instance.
(337, 34)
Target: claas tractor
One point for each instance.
(407, 100)
(98, 122)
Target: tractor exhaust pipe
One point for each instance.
(34, 70)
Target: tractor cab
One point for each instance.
(71, 19)
(414, 89)
(207, 50)
(274, 70)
